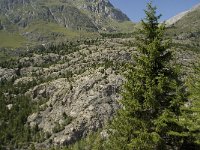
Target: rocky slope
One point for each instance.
(74, 88)
(66, 13)
(186, 29)
(75, 92)
(71, 88)
(178, 17)
(61, 18)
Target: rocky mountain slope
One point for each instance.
(74, 91)
(73, 88)
(178, 17)
(50, 20)
(56, 95)
(187, 28)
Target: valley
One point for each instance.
(60, 80)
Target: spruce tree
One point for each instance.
(152, 95)
(191, 117)
(195, 96)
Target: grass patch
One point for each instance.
(11, 40)
(50, 29)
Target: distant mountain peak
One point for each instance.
(89, 11)
(176, 18)
(41, 20)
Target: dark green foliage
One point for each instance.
(61, 49)
(191, 117)
(92, 142)
(15, 133)
(1, 26)
(117, 35)
(152, 95)
(13, 130)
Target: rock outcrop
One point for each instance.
(90, 101)
(7, 74)
(75, 93)
(75, 90)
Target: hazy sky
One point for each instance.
(168, 8)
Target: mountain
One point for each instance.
(63, 92)
(49, 20)
(186, 26)
(178, 17)
(54, 96)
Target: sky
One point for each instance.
(134, 9)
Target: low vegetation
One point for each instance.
(159, 104)
(11, 40)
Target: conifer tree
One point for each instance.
(191, 116)
(152, 95)
(195, 89)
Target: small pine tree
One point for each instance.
(151, 97)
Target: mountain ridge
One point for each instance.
(187, 28)
(55, 96)
(73, 18)
(179, 16)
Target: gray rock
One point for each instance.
(91, 103)
(7, 74)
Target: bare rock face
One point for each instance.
(89, 101)
(78, 91)
(75, 93)
(105, 9)
(90, 15)
(7, 74)
(176, 18)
